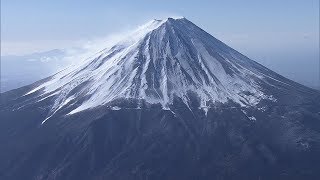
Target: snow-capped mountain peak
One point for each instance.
(161, 60)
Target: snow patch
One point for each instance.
(115, 108)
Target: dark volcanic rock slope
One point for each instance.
(168, 102)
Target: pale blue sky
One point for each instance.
(275, 33)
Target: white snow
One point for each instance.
(160, 59)
(252, 118)
(116, 108)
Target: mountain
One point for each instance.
(169, 101)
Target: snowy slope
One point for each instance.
(160, 60)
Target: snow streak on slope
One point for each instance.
(160, 60)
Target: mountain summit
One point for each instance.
(162, 60)
(169, 101)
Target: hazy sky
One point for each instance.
(283, 35)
